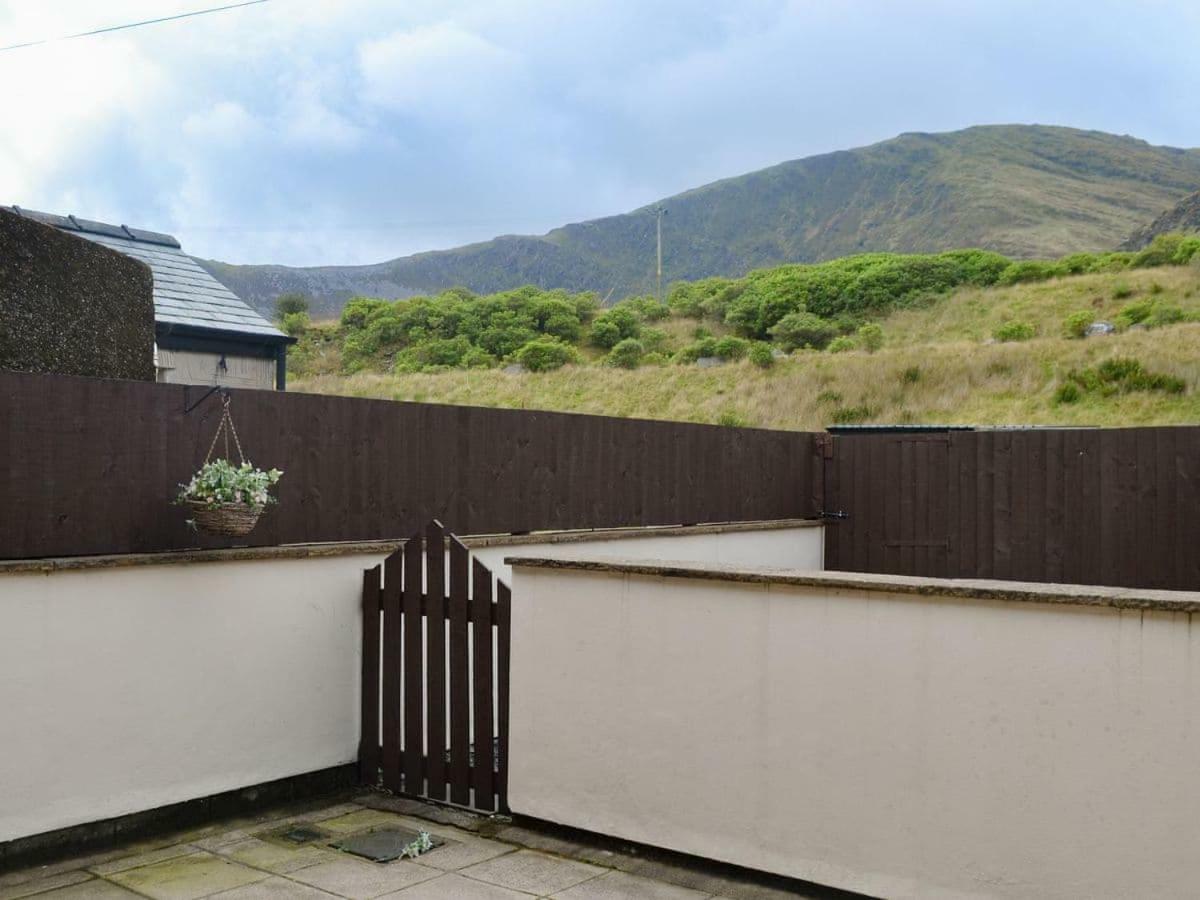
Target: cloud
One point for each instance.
(440, 71)
(312, 132)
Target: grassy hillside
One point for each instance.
(940, 362)
(1021, 190)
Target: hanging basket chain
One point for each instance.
(226, 427)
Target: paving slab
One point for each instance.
(95, 889)
(455, 887)
(187, 877)
(274, 858)
(623, 886)
(459, 854)
(533, 872)
(137, 860)
(40, 885)
(274, 888)
(360, 880)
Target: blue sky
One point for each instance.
(312, 132)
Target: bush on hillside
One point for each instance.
(1120, 375)
(290, 304)
(1077, 323)
(840, 344)
(615, 325)
(295, 324)
(1014, 331)
(803, 329)
(1030, 270)
(762, 355)
(1173, 249)
(545, 353)
(731, 348)
(870, 337)
(646, 307)
(627, 354)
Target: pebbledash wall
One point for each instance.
(902, 737)
(132, 682)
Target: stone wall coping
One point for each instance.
(951, 588)
(381, 547)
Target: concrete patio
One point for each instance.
(481, 859)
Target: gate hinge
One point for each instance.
(832, 514)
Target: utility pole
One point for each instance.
(660, 211)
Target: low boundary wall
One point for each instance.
(902, 737)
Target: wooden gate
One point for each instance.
(435, 675)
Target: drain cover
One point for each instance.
(383, 845)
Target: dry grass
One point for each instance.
(938, 366)
(952, 383)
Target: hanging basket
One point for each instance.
(215, 512)
(232, 519)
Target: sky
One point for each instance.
(312, 132)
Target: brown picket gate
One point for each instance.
(435, 675)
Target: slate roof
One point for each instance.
(184, 293)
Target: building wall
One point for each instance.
(190, 367)
(71, 307)
(125, 689)
(895, 744)
(790, 548)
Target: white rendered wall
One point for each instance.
(784, 548)
(899, 745)
(125, 689)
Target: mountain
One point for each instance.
(1024, 190)
(1183, 216)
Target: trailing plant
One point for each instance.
(220, 481)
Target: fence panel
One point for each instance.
(91, 466)
(1090, 506)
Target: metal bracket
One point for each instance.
(830, 514)
(215, 389)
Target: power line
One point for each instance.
(186, 15)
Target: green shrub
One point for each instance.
(1014, 331)
(840, 344)
(655, 359)
(1122, 290)
(1068, 393)
(653, 339)
(627, 354)
(1120, 375)
(851, 415)
(358, 311)
(290, 304)
(802, 329)
(870, 336)
(1164, 314)
(911, 375)
(646, 307)
(615, 325)
(545, 353)
(762, 355)
(731, 348)
(295, 323)
(1172, 249)
(1030, 270)
(693, 351)
(1076, 324)
(1136, 312)
(731, 419)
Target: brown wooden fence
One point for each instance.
(90, 466)
(1090, 506)
(442, 633)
